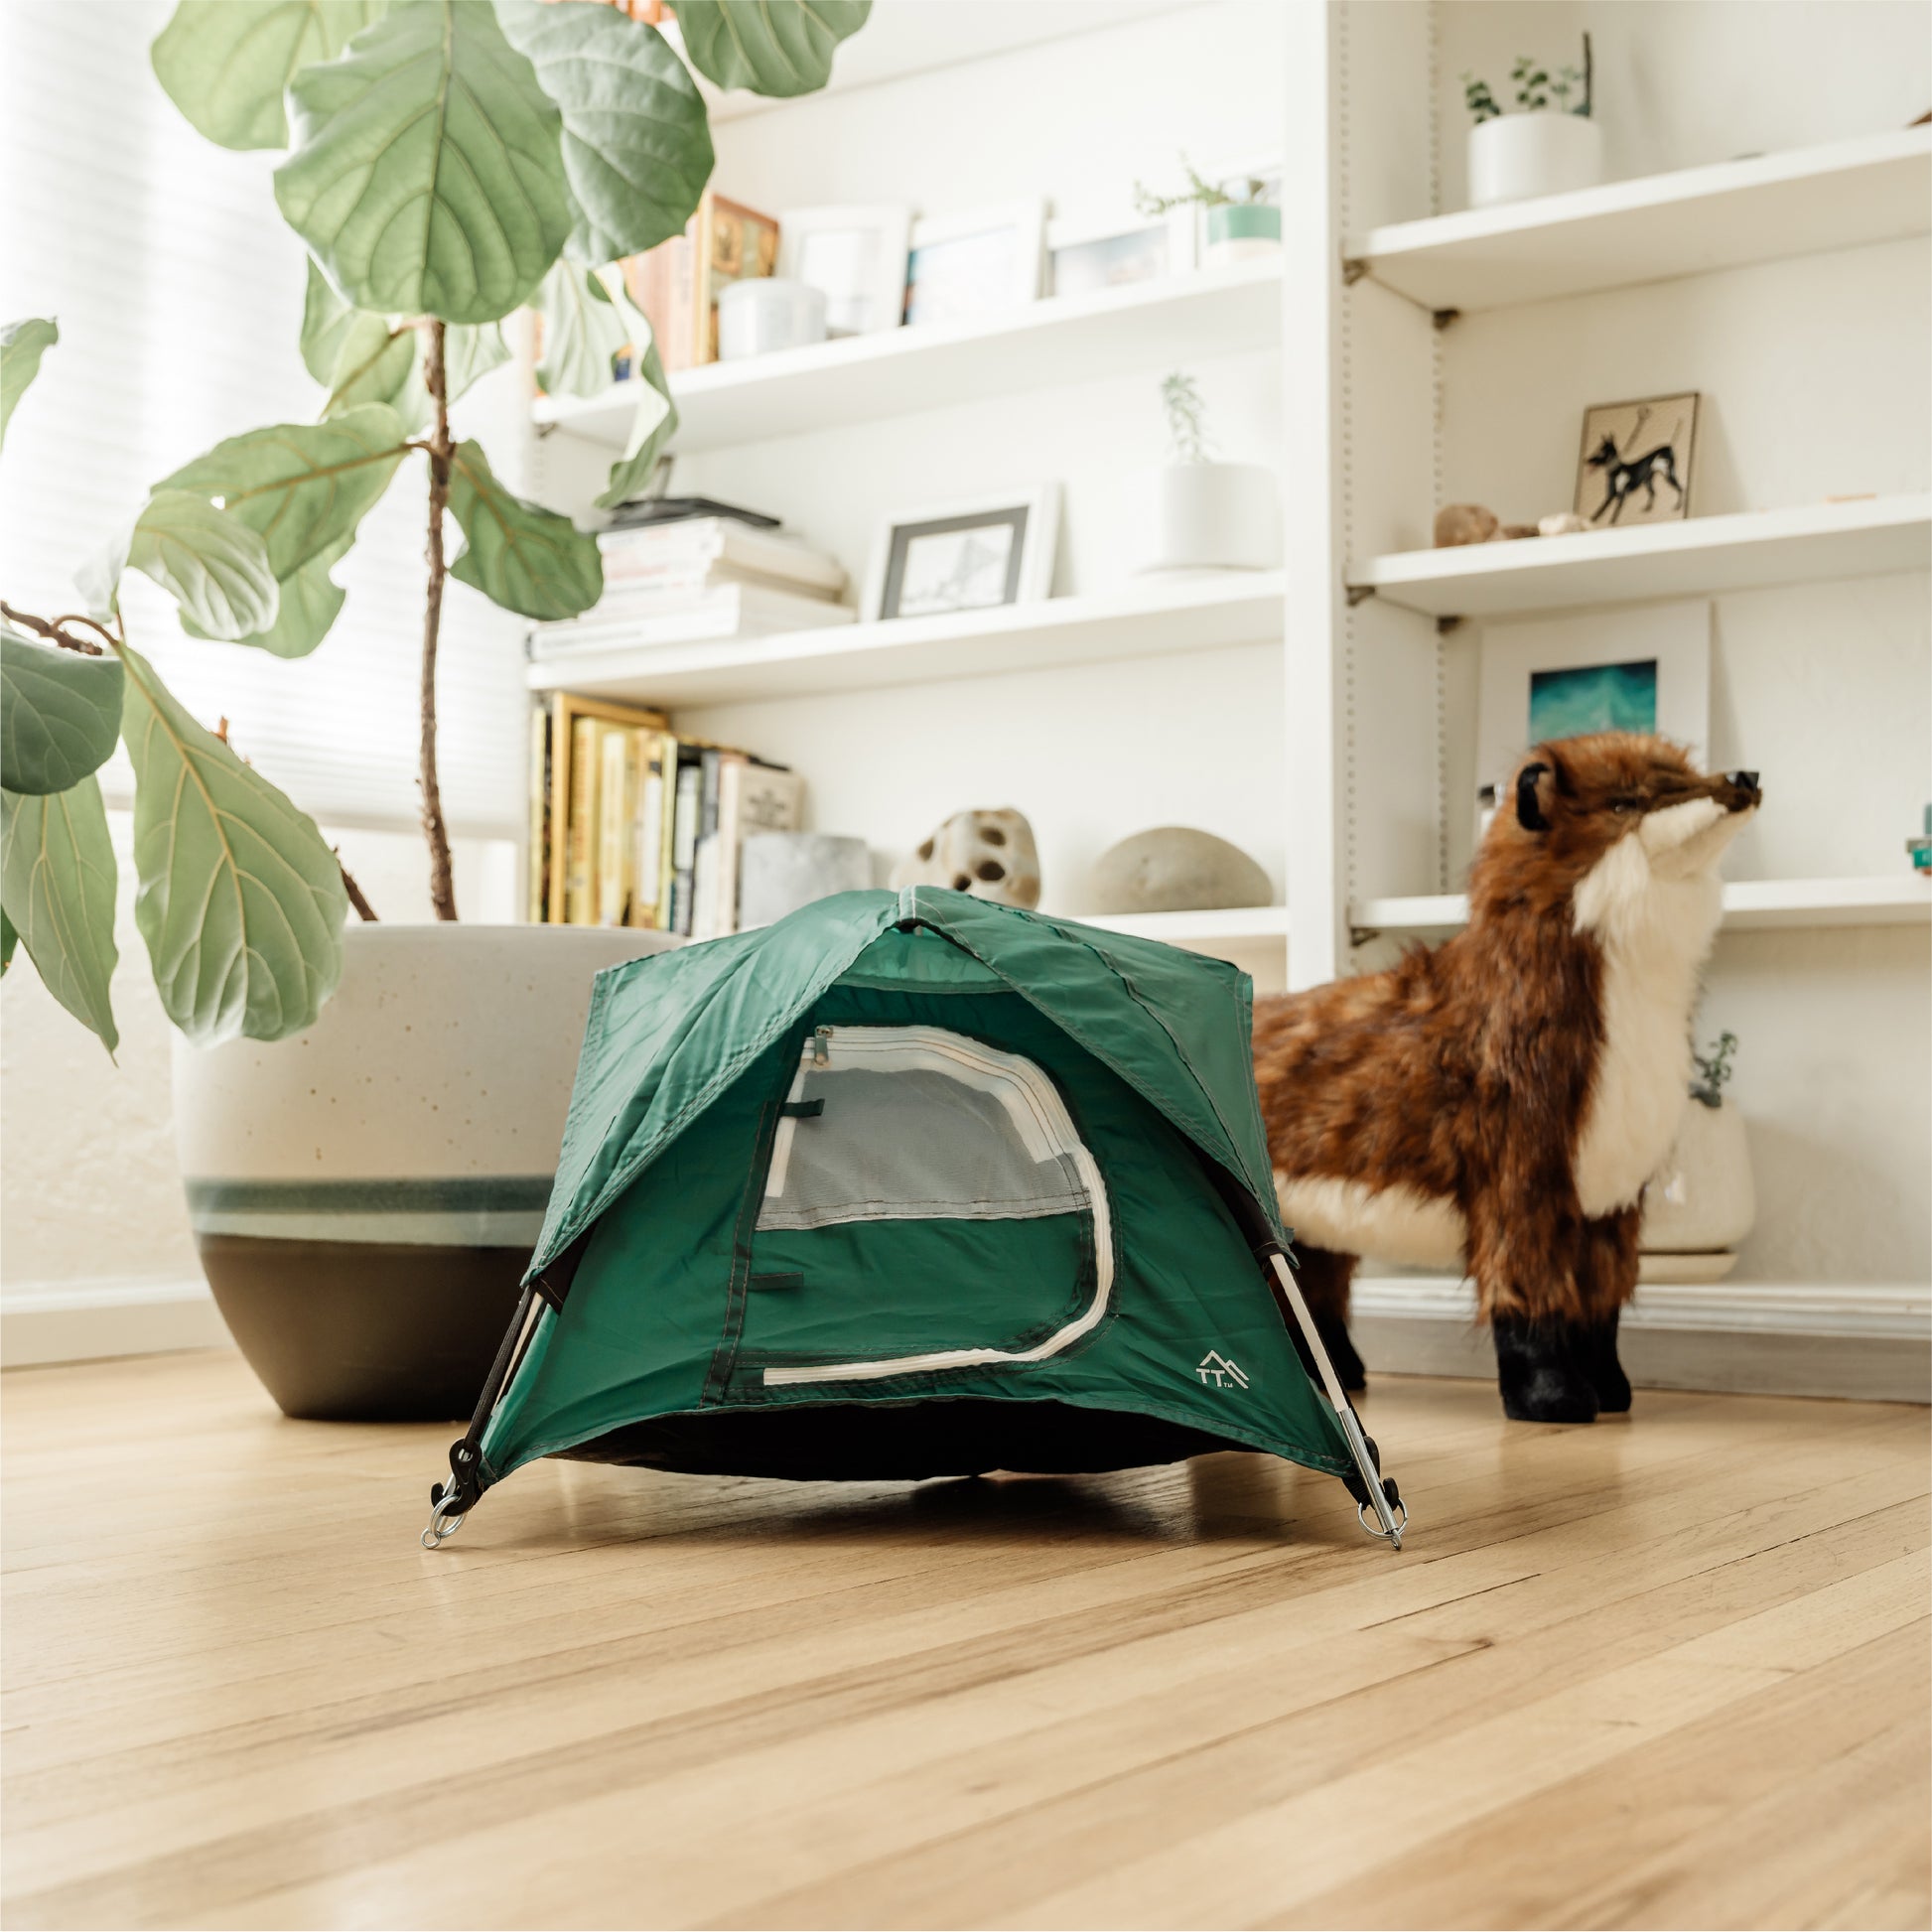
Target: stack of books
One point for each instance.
(710, 576)
(634, 825)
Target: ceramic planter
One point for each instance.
(1238, 231)
(1515, 157)
(365, 1196)
(1702, 1204)
(1210, 516)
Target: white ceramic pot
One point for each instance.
(1210, 516)
(365, 1196)
(1702, 1200)
(1515, 157)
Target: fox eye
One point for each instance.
(1624, 804)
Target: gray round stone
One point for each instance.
(1177, 869)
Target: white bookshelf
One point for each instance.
(1203, 613)
(1769, 207)
(1203, 931)
(1703, 556)
(1750, 905)
(862, 378)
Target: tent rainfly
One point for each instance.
(912, 1185)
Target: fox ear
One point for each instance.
(1529, 808)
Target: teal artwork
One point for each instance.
(1594, 698)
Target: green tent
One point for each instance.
(912, 1185)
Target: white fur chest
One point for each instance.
(1655, 933)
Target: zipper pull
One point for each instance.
(821, 1046)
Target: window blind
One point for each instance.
(178, 289)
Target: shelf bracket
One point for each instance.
(1353, 271)
(1358, 593)
(1444, 625)
(1362, 935)
(1442, 318)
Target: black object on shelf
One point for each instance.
(643, 512)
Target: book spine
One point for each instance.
(650, 830)
(580, 906)
(538, 861)
(614, 824)
(556, 810)
(731, 835)
(684, 835)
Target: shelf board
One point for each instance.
(859, 379)
(1750, 905)
(1877, 188)
(1702, 556)
(1193, 614)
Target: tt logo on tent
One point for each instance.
(1217, 1368)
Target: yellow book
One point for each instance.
(538, 906)
(579, 901)
(617, 788)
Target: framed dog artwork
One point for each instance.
(1636, 460)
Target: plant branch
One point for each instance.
(364, 909)
(54, 629)
(442, 886)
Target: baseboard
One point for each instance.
(80, 1322)
(1871, 1341)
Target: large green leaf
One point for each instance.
(780, 48)
(379, 364)
(241, 904)
(311, 602)
(636, 143)
(211, 563)
(522, 556)
(60, 714)
(326, 322)
(56, 878)
(304, 485)
(583, 329)
(653, 426)
(225, 62)
(427, 176)
(22, 344)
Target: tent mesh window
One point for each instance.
(918, 1123)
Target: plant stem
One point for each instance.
(441, 886)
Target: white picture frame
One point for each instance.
(1116, 248)
(922, 566)
(1674, 637)
(855, 254)
(982, 261)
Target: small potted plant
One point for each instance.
(1549, 146)
(1702, 1202)
(1205, 515)
(1241, 222)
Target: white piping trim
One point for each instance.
(1043, 1122)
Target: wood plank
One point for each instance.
(1008, 1701)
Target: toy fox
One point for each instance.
(1498, 1103)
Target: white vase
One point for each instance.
(1514, 156)
(1210, 517)
(365, 1196)
(1702, 1200)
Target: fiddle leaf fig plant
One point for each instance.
(240, 902)
(450, 162)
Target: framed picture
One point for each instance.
(1110, 251)
(979, 263)
(857, 255)
(1635, 463)
(965, 556)
(1641, 670)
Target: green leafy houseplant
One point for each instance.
(1536, 90)
(1186, 417)
(448, 162)
(1198, 192)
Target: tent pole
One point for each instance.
(450, 1502)
(1384, 1504)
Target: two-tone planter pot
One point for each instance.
(365, 1196)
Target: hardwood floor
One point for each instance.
(1670, 1671)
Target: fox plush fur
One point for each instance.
(1498, 1103)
